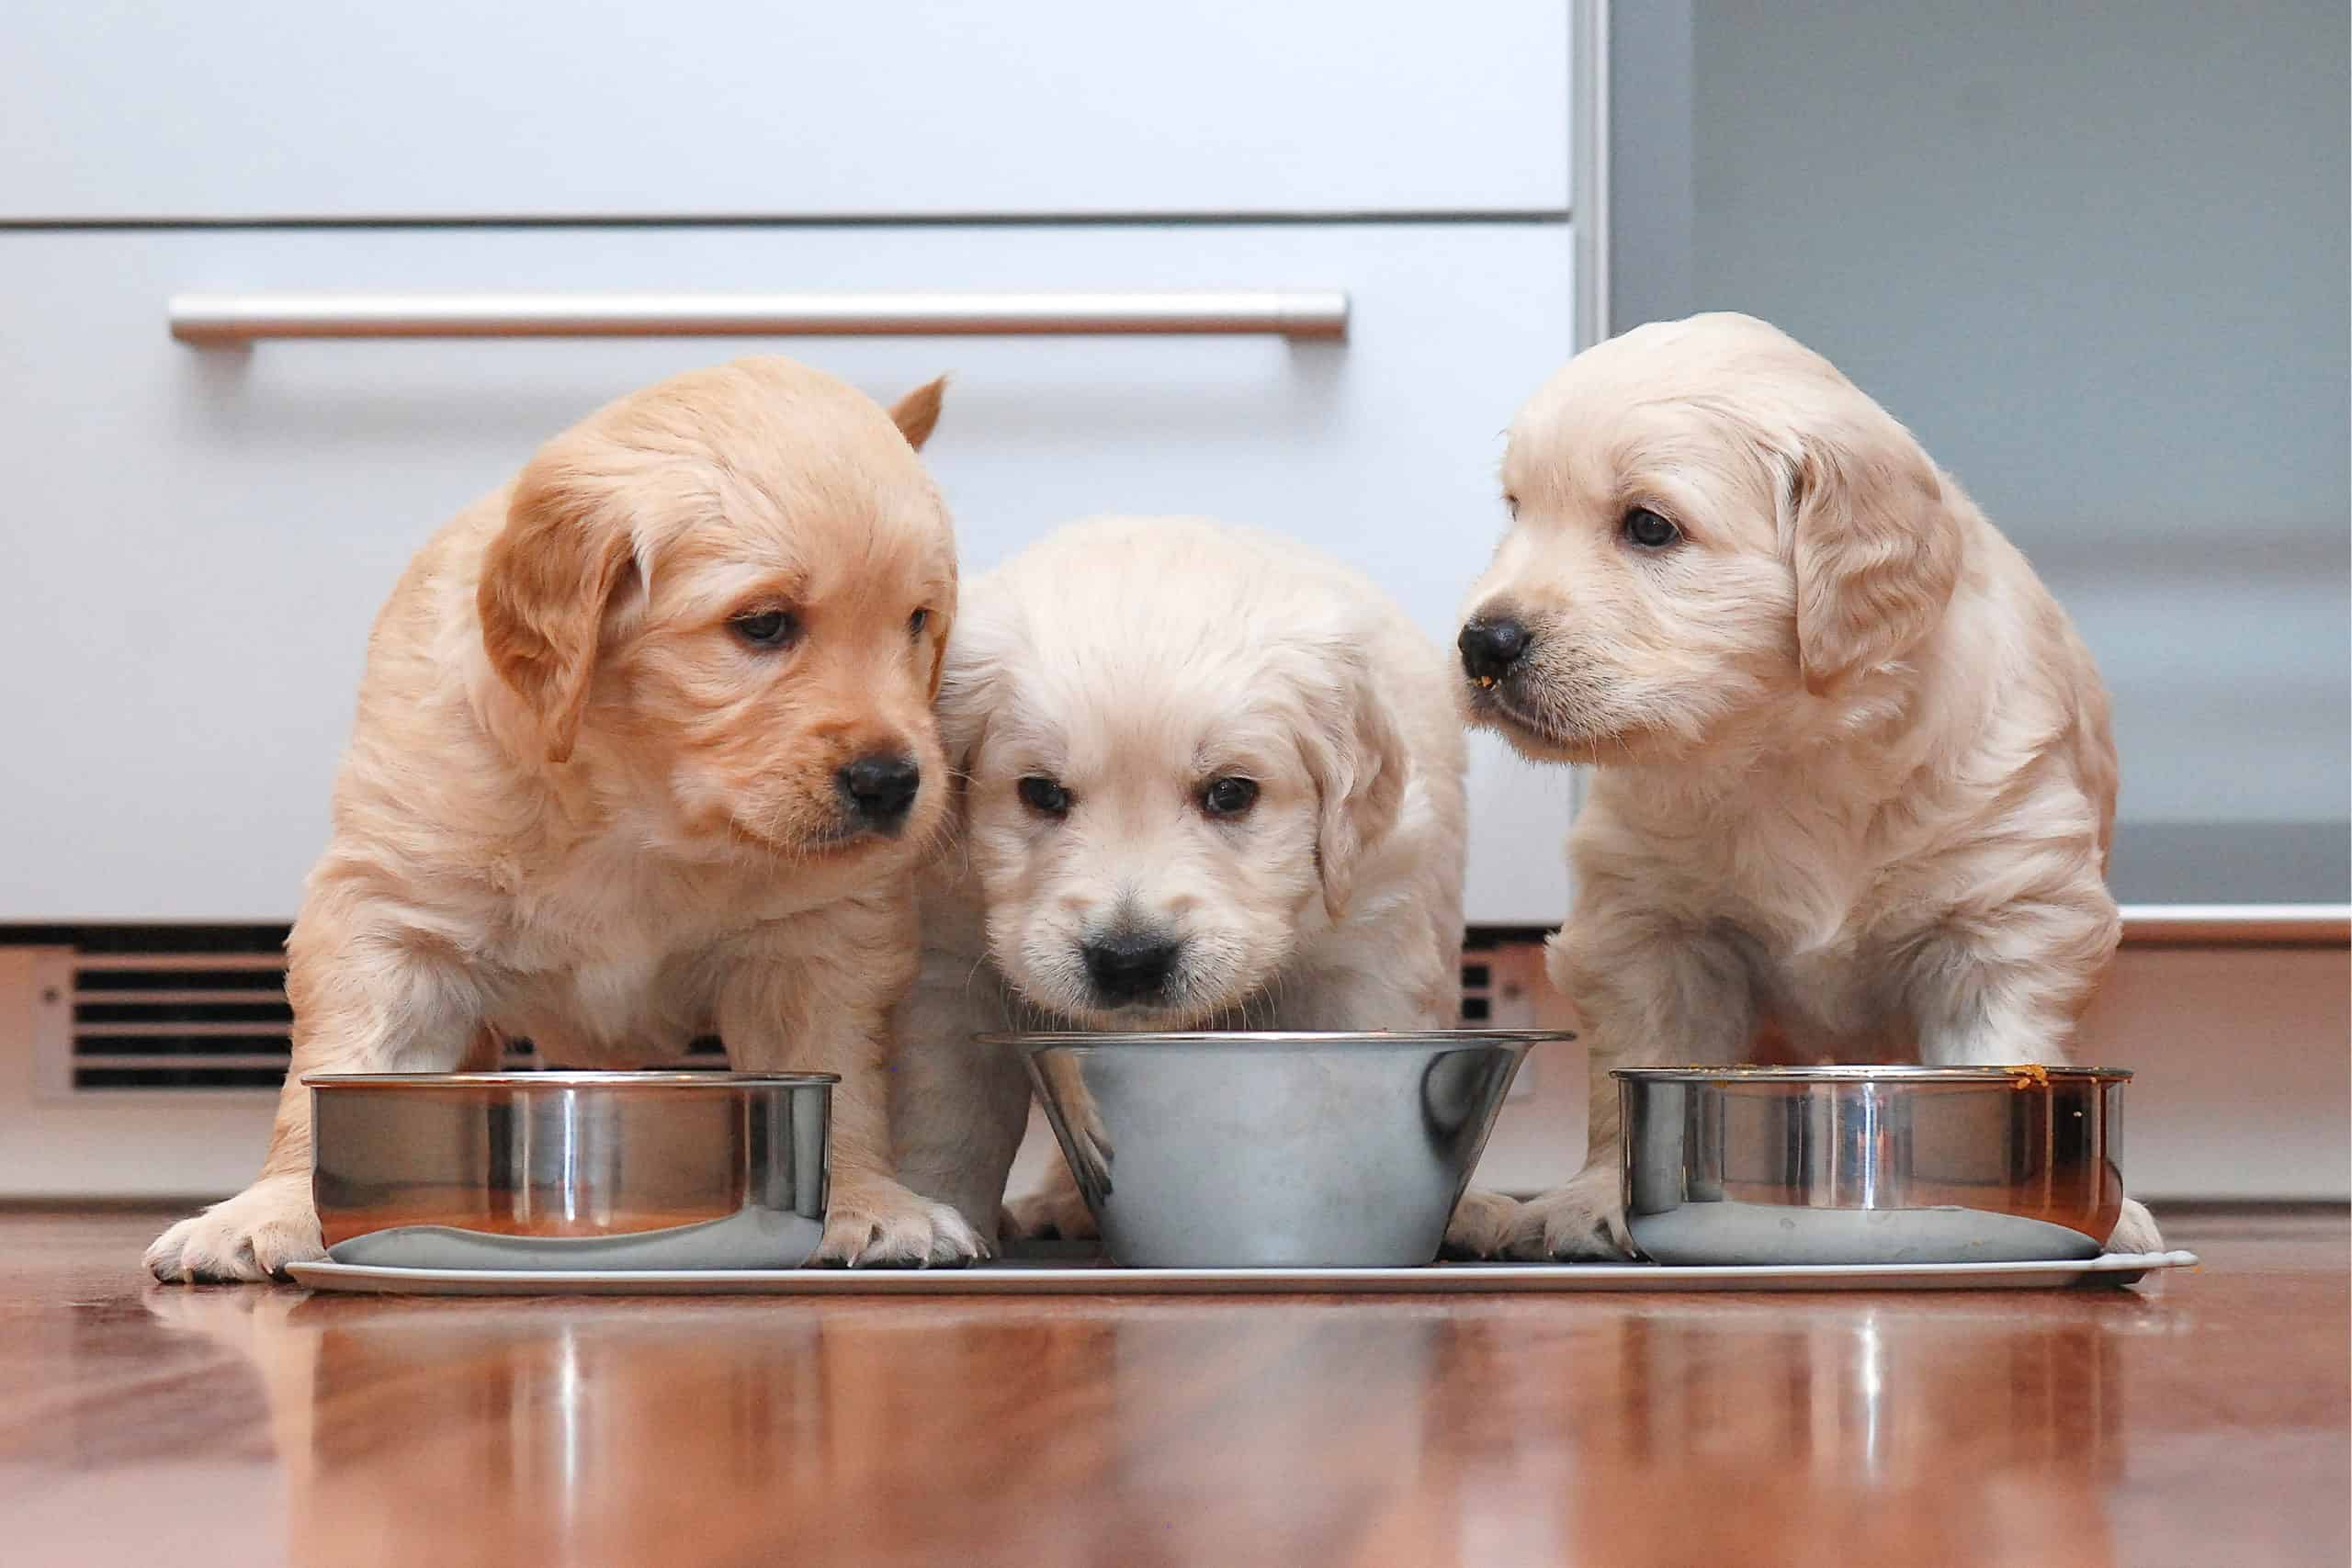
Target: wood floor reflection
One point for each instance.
(2201, 1421)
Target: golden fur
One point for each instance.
(1853, 786)
(582, 804)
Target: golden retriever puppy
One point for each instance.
(1209, 778)
(644, 751)
(1852, 783)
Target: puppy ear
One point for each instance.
(938, 666)
(1358, 761)
(544, 583)
(944, 615)
(917, 413)
(963, 690)
(1876, 549)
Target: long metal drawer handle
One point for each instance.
(2237, 925)
(215, 318)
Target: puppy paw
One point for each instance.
(2135, 1230)
(1057, 1211)
(1482, 1224)
(1088, 1168)
(877, 1223)
(1581, 1223)
(251, 1236)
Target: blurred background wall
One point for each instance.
(2095, 255)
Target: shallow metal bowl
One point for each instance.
(1273, 1150)
(570, 1170)
(1871, 1164)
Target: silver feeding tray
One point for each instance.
(1055, 1278)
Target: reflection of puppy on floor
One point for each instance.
(1210, 779)
(1854, 784)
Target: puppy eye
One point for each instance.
(916, 622)
(1647, 529)
(768, 628)
(1045, 797)
(1511, 502)
(1228, 797)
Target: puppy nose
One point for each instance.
(1491, 645)
(1130, 965)
(880, 788)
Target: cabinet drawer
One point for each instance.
(126, 109)
(200, 536)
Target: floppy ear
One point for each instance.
(945, 616)
(544, 583)
(917, 413)
(964, 692)
(1358, 762)
(1875, 546)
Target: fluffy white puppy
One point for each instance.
(1853, 784)
(1209, 778)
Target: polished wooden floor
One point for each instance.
(2198, 1421)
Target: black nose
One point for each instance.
(1130, 965)
(1491, 645)
(880, 789)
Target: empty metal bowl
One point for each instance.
(1273, 1150)
(570, 1170)
(1871, 1164)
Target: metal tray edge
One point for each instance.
(2114, 1268)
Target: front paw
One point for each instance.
(1482, 1224)
(251, 1236)
(2135, 1230)
(1581, 1223)
(875, 1222)
(1057, 1211)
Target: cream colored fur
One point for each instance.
(1134, 661)
(1852, 786)
(580, 804)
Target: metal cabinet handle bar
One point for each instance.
(2237, 925)
(217, 319)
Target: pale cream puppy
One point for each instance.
(1210, 778)
(1852, 786)
(644, 751)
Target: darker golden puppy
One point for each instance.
(644, 751)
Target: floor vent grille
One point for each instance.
(147, 1009)
(175, 1009)
(179, 1021)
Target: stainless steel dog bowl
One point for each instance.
(570, 1170)
(1273, 1150)
(1871, 1164)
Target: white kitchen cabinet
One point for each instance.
(200, 536)
(440, 109)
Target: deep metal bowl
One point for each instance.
(1273, 1150)
(570, 1170)
(1871, 1164)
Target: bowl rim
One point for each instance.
(2022, 1076)
(659, 1078)
(1254, 1039)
